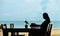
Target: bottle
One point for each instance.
(26, 26)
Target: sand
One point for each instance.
(1, 33)
(55, 32)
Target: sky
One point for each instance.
(31, 10)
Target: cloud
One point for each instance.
(44, 4)
(54, 9)
(26, 9)
(29, 0)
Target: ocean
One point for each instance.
(21, 24)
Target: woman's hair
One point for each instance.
(45, 16)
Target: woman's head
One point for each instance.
(45, 16)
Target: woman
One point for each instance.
(45, 24)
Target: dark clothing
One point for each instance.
(44, 26)
(34, 25)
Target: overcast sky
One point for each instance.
(32, 10)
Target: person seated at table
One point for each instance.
(45, 23)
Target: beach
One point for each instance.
(55, 32)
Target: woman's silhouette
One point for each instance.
(45, 23)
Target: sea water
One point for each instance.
(21, 24)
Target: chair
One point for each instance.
(49, 28)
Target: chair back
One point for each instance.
(49, 28)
